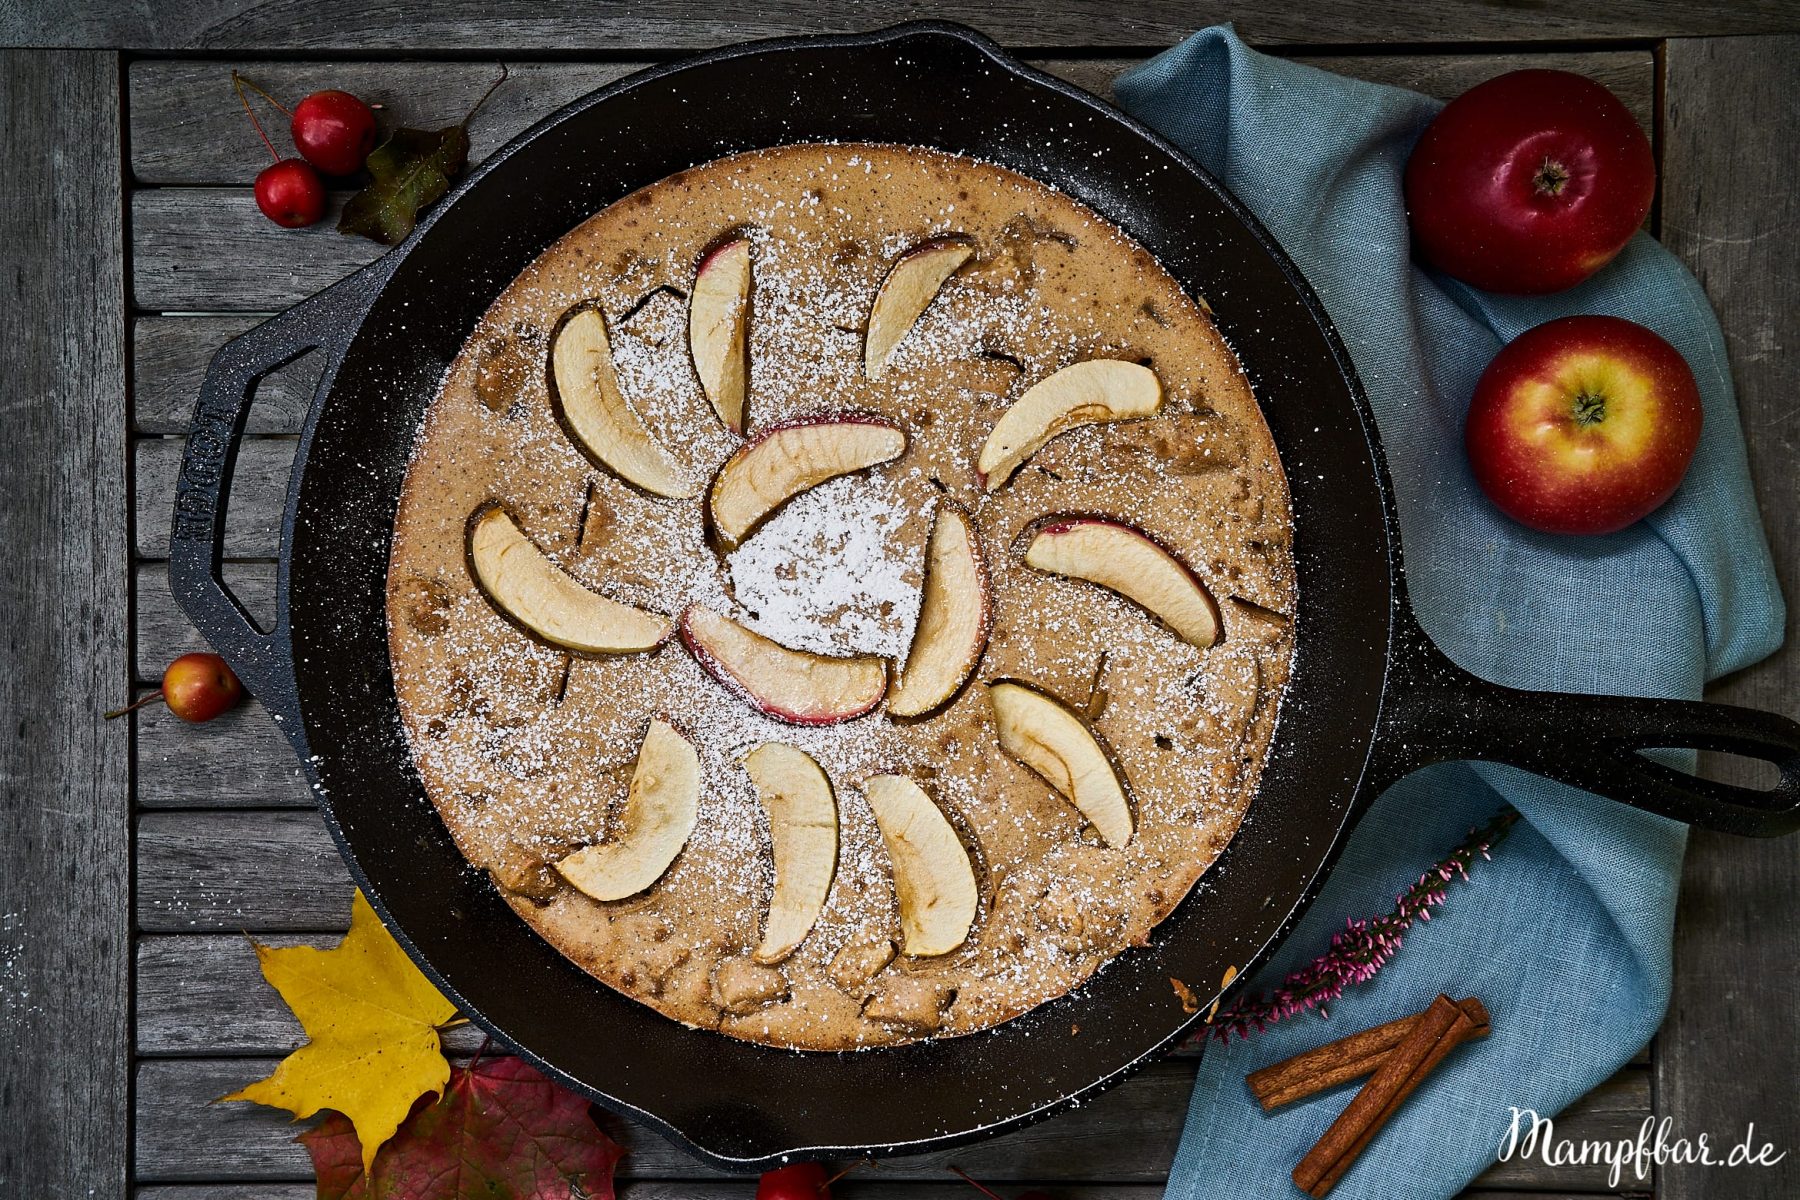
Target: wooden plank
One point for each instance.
(176, 266)
(239, 760)
(516, 25)
(252, 517)
(1128, 1135)
(1728, 1054)
(205, 995)
(238, 870)
(169, 359)
(177, 140)
(189, 244)
(65, 874)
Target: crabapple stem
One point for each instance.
(238, 83)
(135, 705)
(852, 1167)
(492, 88)
(972, 1182)
(285, 111)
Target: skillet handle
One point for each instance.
(202, 490)
(1434, 711)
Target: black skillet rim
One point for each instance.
(379, 274)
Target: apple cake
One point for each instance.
(842, 594)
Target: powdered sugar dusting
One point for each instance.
(528, 751)
(829, 573)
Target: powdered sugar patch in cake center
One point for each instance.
(830, 573)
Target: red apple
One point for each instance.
(1583, 425)
(800, 1181)
(1528, 183)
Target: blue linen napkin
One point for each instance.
(1566, 934)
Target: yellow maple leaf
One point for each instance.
(372, 1021)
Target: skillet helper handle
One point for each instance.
(1434, 711)
(202, 490)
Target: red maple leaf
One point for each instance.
(501, 1131)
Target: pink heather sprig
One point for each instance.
(1360, 949)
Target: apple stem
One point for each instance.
(1590, 409)
(285, 111)
(238, 83)
(492, 88)
(133, 707)
(1551, 178)
(972, 1182)
(852, 1167)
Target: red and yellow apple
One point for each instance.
(1528, 183)
(1583, 425)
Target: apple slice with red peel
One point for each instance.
(911, 285)
(719, 328)
(1046, 736)
(934, 881)
(786, 460)
(594, 411)
(520, 580)
(660, 808)
(953, 618)
(795, 686)
(1086, 393)
(1126, 560)
(803, 827)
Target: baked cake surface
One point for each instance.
(528, 750)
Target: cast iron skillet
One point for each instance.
(1370, 700)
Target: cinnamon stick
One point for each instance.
(1334, 1063)
(1435, 1032)
(1329, 1065)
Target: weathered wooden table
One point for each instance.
(133, 854)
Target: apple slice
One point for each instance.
(521, 581)
(596, 415)
(1044, 735)
(660, 808)
(1130, 562)
(803, 827)
(953, 619)
(1087, 393)
(786, 460)
(719, 328)
(911, 285)
(934, 881)
(795, 686)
